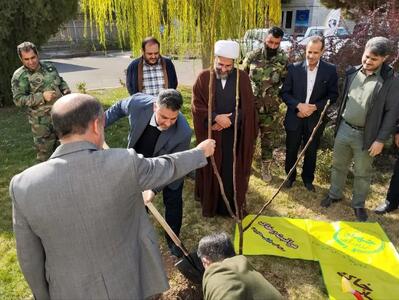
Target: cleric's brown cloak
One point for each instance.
(206, 184)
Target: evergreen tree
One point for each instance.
(27, 20)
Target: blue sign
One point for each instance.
(302, 18)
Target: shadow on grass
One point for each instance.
(17, 153)
(66, 68)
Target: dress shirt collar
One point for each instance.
(68, 148)
(376, 72)
(317, 66)
(153, 123)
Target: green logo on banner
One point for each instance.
(357, 241)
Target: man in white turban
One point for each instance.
(220, 84)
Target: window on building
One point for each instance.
(282, 19)
(288, 19)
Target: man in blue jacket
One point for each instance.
(157, 127)
(151, 72)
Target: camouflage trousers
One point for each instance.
(44, 138)
(269, 128)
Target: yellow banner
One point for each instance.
(357, 259)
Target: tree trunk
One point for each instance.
(206, 54)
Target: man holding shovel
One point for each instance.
(79, 220)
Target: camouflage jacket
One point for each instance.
(28, 87)
(266, 76)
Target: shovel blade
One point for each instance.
(191, 267)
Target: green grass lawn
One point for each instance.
(296, 279)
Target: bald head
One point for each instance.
(72, 113)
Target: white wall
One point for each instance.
(317, 14)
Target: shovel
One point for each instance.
(190, 265)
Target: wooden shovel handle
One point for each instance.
(167, 228)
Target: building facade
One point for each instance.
(298, 15)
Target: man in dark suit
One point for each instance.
(79, 220)
(306, 89)
(151, 72)
(157, 127)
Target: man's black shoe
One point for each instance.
(309, 186)
(360, 214)
(176, 251)
(327, 201)
(384, 208)
(288, 184)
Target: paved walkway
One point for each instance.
(108, 71)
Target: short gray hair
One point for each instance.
(26, 47)
(171, 99)
(379, 46)
(216, 247)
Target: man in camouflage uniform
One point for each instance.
(38, 85)
(267, 67)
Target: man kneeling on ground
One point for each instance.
(230, 276)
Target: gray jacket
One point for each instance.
(80, 224)
(383, 109)
(139, 109)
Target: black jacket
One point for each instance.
(294, 88)
(383, 109)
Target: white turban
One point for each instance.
(228, 49)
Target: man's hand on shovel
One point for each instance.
(148, 196)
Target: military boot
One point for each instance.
(265, 170)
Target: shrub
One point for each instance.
(82, 88)
(324, 163)
(383, 21)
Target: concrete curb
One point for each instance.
(46, 54)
